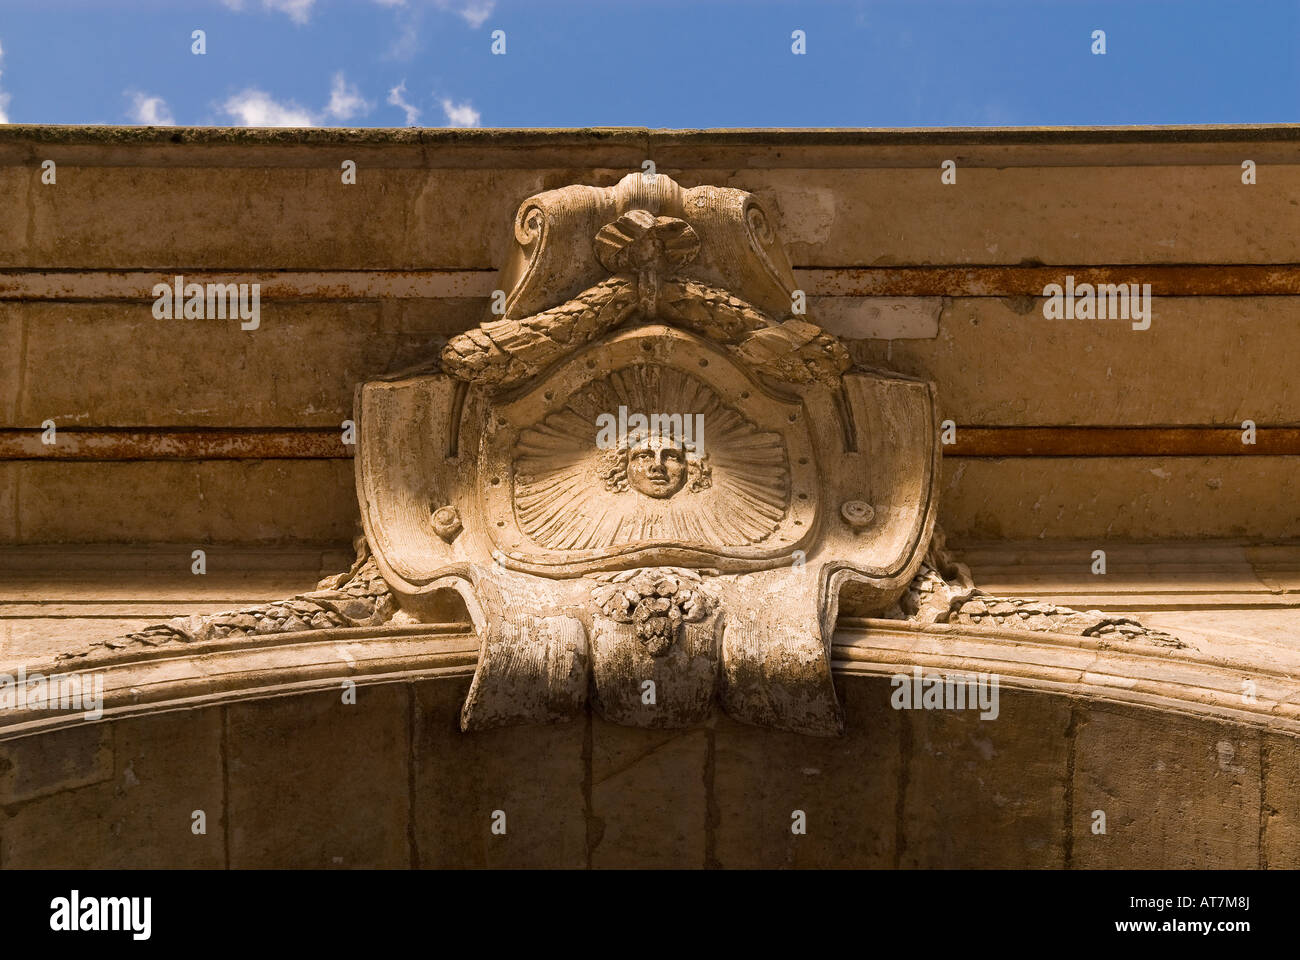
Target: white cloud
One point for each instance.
(397, 98)
(148, 110)
(407, 41)
(409, 20)
(4, 97)
(345, 99)
(299, 11)
(474, 12)
(460, 114)
(254, 108)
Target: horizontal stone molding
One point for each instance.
(429, 199)
(975, 441)
(1167, 280)
(832, 283)
(1161, 679)
(322, 443)
(165, 443)
(313, 500)
(175, 676)
(1198, 143)
(78, 285)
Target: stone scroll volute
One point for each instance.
(652, 569)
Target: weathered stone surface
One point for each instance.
(1133, 498)
(34, 639)
(11, 360)
(170, 501)
(878, 318)
(847, 789)
(1147, 212)
(943, 592)
(358, 597)
(909, 788)
(1280, 812)
(127, 793)
(535, 775)
(34, 767)
(1082, 367)
(1017, 499)
(297, 369)
(391, 218)
(985, 793)
(1103, 372)
(649, 797)
(316, 782)
(417, 207)
(9, 523)
(1182, 794)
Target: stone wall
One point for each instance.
(306, 781)
(935, 280)
(1070, 435)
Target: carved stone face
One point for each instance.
(656, 468)
(572, 494)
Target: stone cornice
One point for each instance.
(507, 136)
(180, 677)
(626, 147)
(1158, 678)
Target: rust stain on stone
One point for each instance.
(1193, 280)
(163, 443)
(325, 285)
(326, 443)
(1190, 280)
(1122, 442)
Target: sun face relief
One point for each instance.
(657, 467)
(648, 470)
(577, 488)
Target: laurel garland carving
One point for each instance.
(645, 253)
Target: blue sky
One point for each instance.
(708, 63)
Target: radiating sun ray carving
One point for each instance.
(570, 494)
